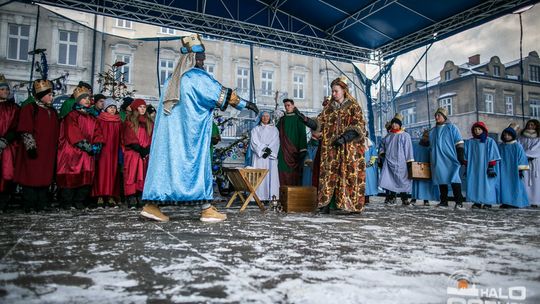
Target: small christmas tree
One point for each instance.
(112, 82)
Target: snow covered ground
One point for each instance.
(386, 255)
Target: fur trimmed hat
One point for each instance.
(443, 112)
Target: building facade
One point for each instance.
(490, 92)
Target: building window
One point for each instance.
(242, 81)
(496, 70)
(166, 67)
(298, 86)
(534, 73)
(124, 72)
(211, 69)
(167, 31)
(408, 88)
(18, 38)
(488, 97)
(447, 75)
(67, 48)
(509, 102)
(535, 108)
(123, 23)
(409, 115)
(267, 80)
(447, 104)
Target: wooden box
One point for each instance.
(298, 199)
(419, 170)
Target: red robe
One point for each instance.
(107, 180)
(75, 168)
(134, 166)
(44, 126)
(9, 113)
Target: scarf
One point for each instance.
(529, 133)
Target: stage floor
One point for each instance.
(386, 255)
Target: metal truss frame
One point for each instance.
(274, 34)
(449, 26)
(152, 12)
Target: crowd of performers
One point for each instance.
(98, 150)
(505, 174)
(93, 149)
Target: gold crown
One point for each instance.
(191, 40)
(80, 91)
(398, 116)
(2, 78)
(42, 85)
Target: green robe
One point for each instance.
(293, 146)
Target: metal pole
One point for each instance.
(34, 53)
(521, 69)
(252, 75)
(157, 68)
(93, 51)
(427, 95)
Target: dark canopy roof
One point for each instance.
(344, 30)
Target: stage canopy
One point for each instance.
(357, 30)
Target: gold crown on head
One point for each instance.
(398, 116)
(2, 78)
(80, 91)
(42, 85)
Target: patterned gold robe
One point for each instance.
(342, 169)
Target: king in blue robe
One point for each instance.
(180, 166)
(372, 183)
(423, 189)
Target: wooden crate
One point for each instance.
(298, 199)
(419, 170)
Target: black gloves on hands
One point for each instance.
(85, 146)
(491, 172)
(267, 151)
(310, 123)
(143, 152)
(339, 141)
(521, 174)
(253, 107)
(346, 137)
(461, 155)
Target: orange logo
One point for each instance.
(462, 284)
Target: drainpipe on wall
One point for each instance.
(476, 97)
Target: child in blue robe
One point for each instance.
(512, 192)
(482, 155)
(423, 189)
(372, 185)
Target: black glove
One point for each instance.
(521, 174)
(310, 123)
(461, 155)
(137, 148)
(267, 151)
(338, 141)
(381, 160)
(85, 146)
(253, 107)
(32, 153)
(530, 158)
(491, 172)
(145, 152)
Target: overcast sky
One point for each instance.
(499, 37)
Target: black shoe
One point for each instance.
(392, 201)
(442, 204)
(426, 203)
(458, 206)
(324, 209)
(534, 206)
(476, 206)
(486, 206)
(79, 205)
(405, 202)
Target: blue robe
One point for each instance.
(180, 167)
(423, 189)
(372, 183)
(481, 188)
(312, 147)
(444, 162)
(398, 150)
(511, 187)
